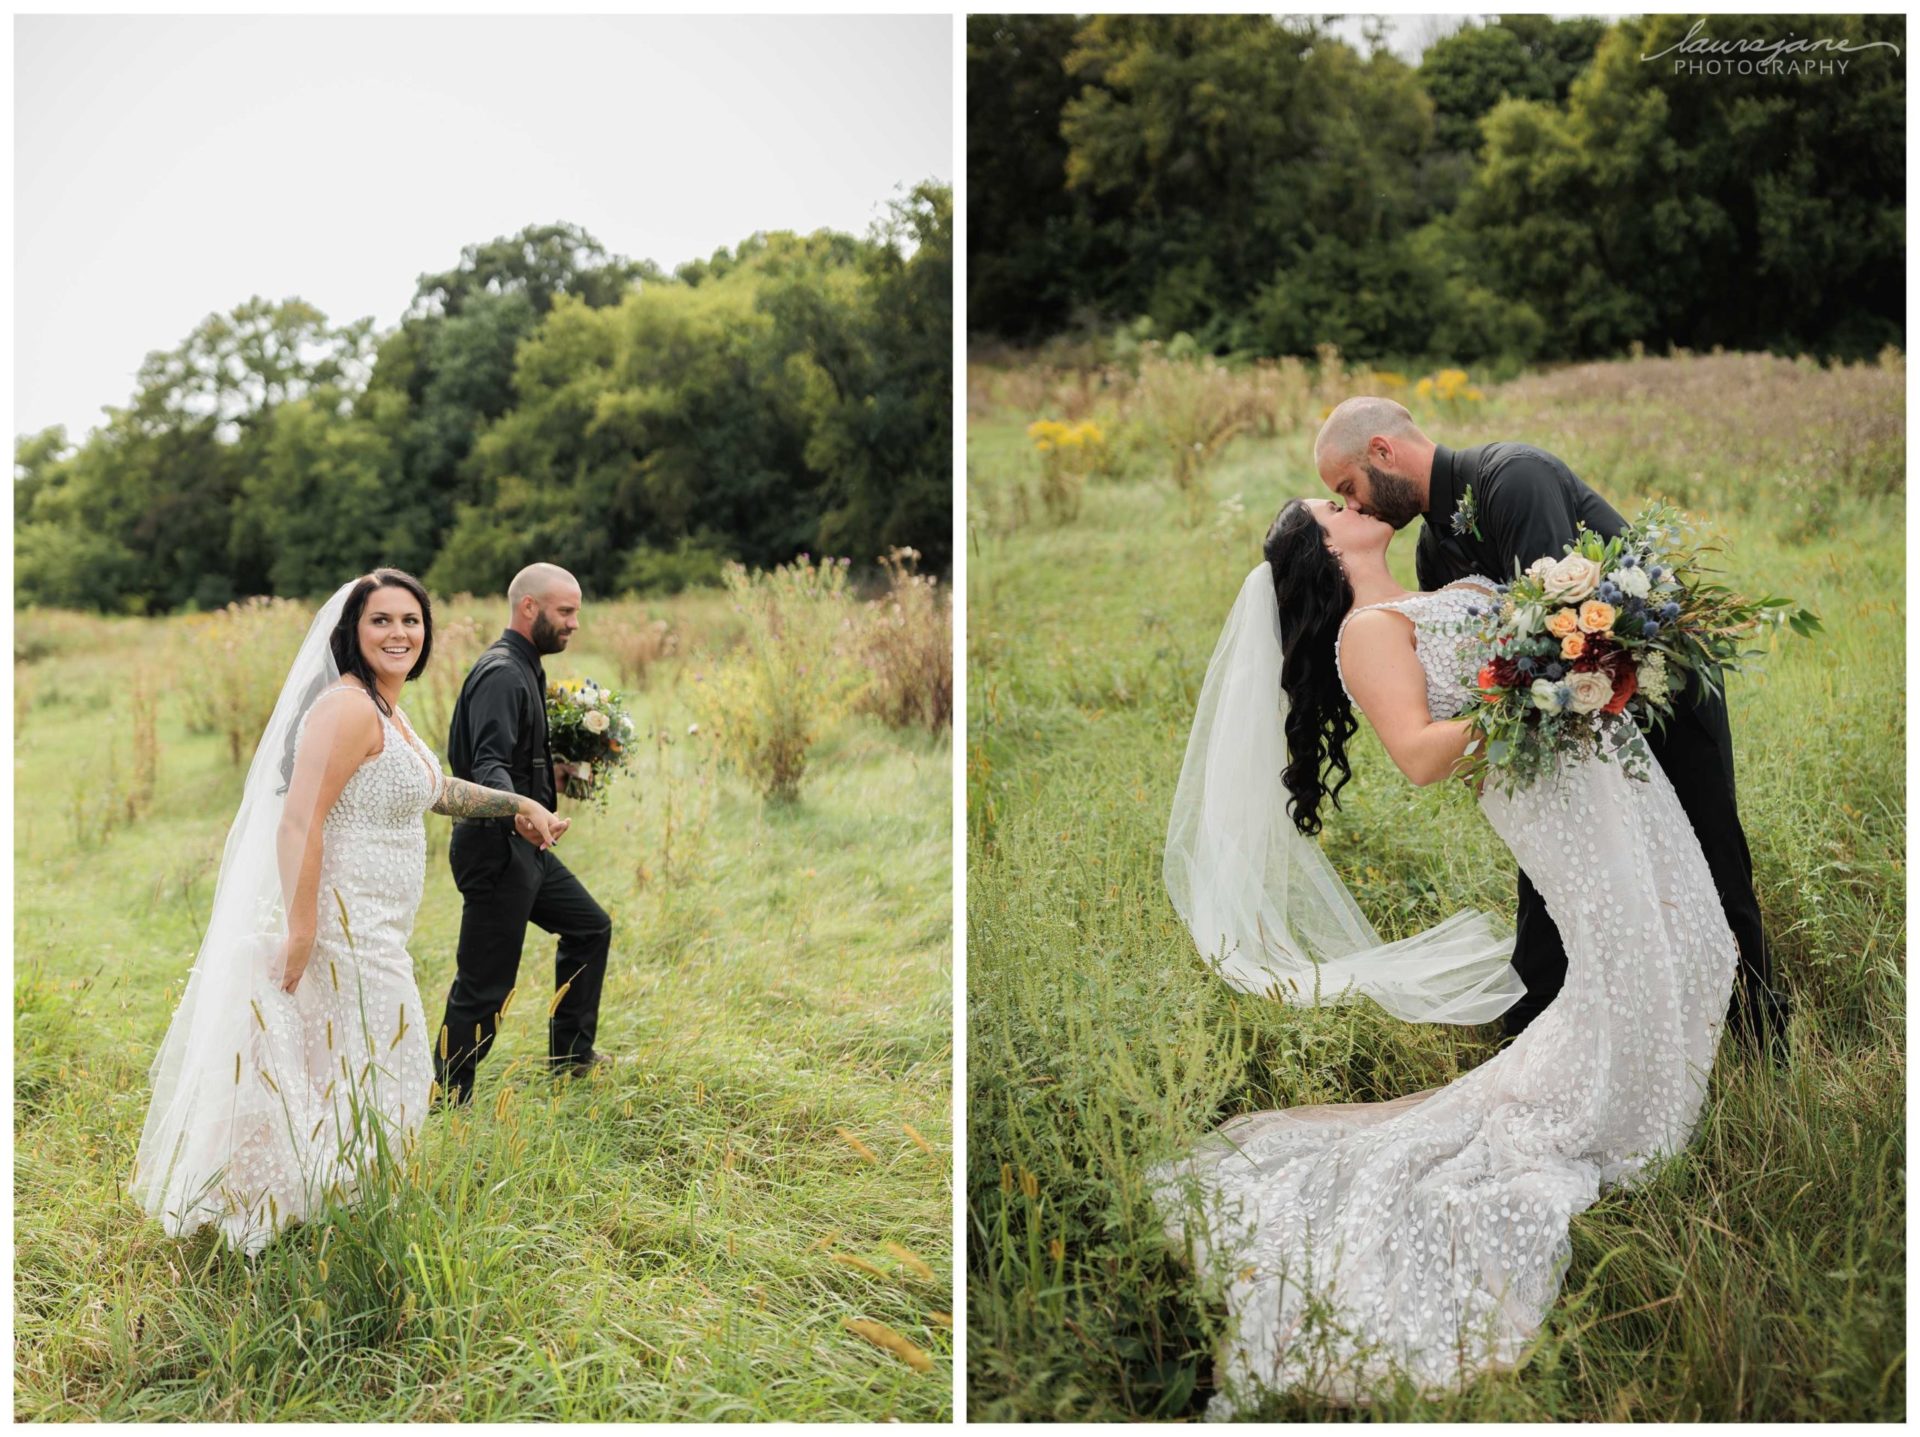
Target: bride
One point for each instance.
(298, 1056)
(1425, 1237)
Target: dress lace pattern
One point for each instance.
(346, 1053)
(1441, 637)
(1428, 1236)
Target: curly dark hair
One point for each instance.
(1314, 597)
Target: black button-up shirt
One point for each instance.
(1527, 504)
(498, 737)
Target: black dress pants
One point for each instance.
(1695, 750)
(507, 882)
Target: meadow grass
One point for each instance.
(1759, 1276)
(684, 1237)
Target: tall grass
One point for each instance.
(1761, 1276)
(684, 1237)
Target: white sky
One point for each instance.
(169, 167)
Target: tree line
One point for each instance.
(1532, 189)
(543, 399)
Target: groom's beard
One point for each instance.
(1390, 498)
(546, 638)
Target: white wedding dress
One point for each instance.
(326, 1075)
(1428, 1236)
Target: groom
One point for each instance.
(1526, 503)
(499, 739)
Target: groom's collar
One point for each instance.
(524, 646)
(1443, 485)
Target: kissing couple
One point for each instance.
(1425, 1238)
(299, 1054)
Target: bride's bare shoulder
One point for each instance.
(344, 716)
(1369, 636)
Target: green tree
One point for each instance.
(1749, 211)
(1025, 234)
(447, 371)
(1216, 152)
(1524, 57)
(327, 500)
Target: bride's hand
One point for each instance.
(296, 950)
(539, 826)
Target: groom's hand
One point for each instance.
(543, 829)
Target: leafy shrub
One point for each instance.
(906, 649)
(691, 563)
(234, 662)
(635, 638)
(769, 701)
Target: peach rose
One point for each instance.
(1592, 691)
(1572, 646)
(1596, 617)
(1565, 622)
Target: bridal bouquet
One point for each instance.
(1587, 649)
(588, 729)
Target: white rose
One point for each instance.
(1592, 691)
(1538, 568)
(595, 721)
(1546, 696)
(1634, 583)
(1571, 579)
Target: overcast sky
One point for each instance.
(166, 168)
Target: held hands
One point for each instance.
(538, 826)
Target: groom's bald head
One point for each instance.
(1371, 453)
(544, 602)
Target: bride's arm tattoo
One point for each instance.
(460, 799)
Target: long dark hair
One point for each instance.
(1314, 597)
(344, 641)
(345, 638)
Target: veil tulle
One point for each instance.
(235, 1027)
(1261, 900)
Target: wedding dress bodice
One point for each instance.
(1443, 640)
(375, 851)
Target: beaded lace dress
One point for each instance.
(1427, 1237)
(345, 1055)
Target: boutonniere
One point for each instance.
(1466, 520)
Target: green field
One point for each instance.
(1760, 1277)
(681, 1238)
